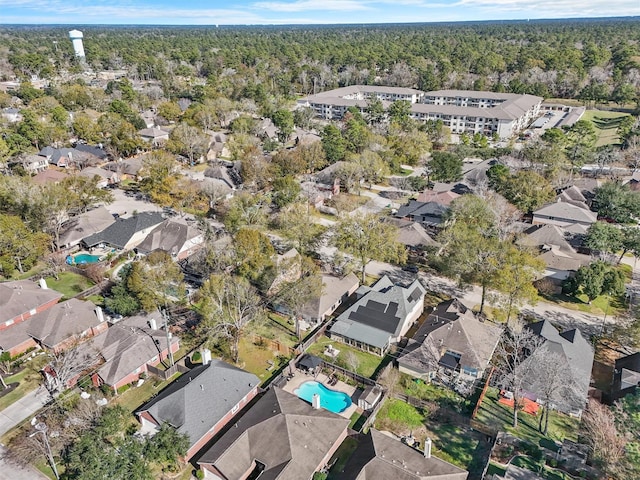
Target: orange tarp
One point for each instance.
(528, 406)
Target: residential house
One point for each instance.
(443, 198)
(281, 437)
(556, 248)
(200, 403)
(128, 168)
(33, 163)
(412, 235)
(155, 136)
(174, 236)
(66, 323)
(564, 214)
(228, 176)
(574, 196)
(431, 214)
(72, 157)
(125, 233)
(335, 290)
(128, 348)
(452, 343)
(84, 225)
(97, 152)
(105, 177)
(576, 354)
(48, 177)
(19, 302)
(626, 377)
(379, 456)
(381, 316)
(217, 147)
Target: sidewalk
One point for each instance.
(22, 409)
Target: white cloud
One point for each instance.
(313, 5)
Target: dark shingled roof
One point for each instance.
(286, 434)
(198, 400)
(380, 457)
(119, 233)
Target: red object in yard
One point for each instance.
(528, 406)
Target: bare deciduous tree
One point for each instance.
(352, 361)
(389, 378)
(606, 442)
(66, 366)
(513, 368)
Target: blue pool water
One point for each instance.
(86, 258)
(331, 400)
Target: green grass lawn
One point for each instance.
(396, 414)
(614, 306)
(135, 397)
(499, 416)
(368, 363)
(254, 358)
(547, 472)
(606, 124)
(344, 451)
(29, 379)
(69, 284)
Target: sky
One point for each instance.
(250, 12)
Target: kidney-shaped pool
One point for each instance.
(331, 400)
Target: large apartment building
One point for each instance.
(460, 110)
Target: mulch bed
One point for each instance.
(10, 388)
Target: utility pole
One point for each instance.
(41, 427)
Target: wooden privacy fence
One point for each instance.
(169, 372)
(274, 345)
(97, 288)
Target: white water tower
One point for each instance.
(76, 38)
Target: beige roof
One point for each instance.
(49, 176)
(333, 288)
(380, 457)
(563, 211)
(283, 432)
(556, 259)
(546, 235)
(63, 321)
(443, 198)
(22, 296)
(85, 224)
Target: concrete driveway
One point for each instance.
(11, 471)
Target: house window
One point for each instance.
(33, 311)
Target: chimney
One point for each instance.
(427, 448)
(153, 325)
(43, 284)
(315, 401)
(99, 314)
(206, 356)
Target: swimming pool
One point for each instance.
(331, 400)
(85, 258)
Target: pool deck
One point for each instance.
(300, 377)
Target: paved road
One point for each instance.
(22, 409)
(10, 471)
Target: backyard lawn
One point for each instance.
(255, 359)
(367, 363)
(135, 397)
(497, 416)
(69, 284)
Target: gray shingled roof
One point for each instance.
(380, 314)
(119, 233)
(63, 321)
(283, 432)
(333, 290)
(22, 296)
(84, 225)
(563, 211)
(170, 236)
(128, 345)
(540, 235)
(575, 351)
(452, 327)
(380, 457)
(198, 400)
(435, 211)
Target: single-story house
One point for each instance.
(626, 376)
(81, 226)
(443, 198)
(68, 157)
(200, 403)
(128, 348)
(452, 342)
(335, 290)
(382, 315)
(107, 177)
(126, 233)
(65, 323)
(281, 437)
(412, 234)
(545, 236)
(564, 214)
(429, 213)
(561, 264)
(154, 135)
(47, 177)
(174, 236)
(378, 456)
(128, 168)
(576, 353)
